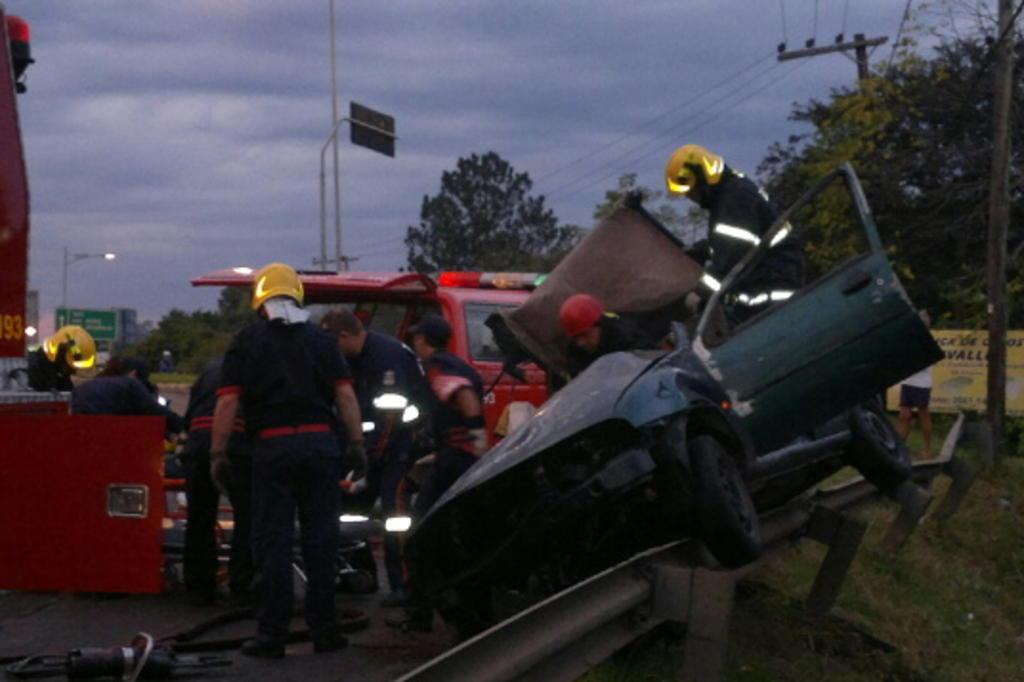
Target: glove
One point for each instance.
(355, 460)
(700, 252)
(220, 472)
(479, 437)
(353, 487)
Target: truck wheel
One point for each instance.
(725, 516)
(876, 450)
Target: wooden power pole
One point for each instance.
(998, 223)
(859, 45)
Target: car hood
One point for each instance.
(591, 398)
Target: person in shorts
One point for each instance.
(915, 396)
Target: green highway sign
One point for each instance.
(101, 324)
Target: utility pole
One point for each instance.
(339, 261)
(998, 223)
(859, 45)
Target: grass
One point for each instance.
(172, 378)
(951, 603)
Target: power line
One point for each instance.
(654, 120)
(710, 118)
(899, 33)
(588, 175)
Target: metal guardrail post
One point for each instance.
(914, 502)
(963, 477)
(707, 632)
(843, 535)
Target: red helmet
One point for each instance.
(579, 313)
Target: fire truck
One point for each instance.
(85, 495)
(391, 302)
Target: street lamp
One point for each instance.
(72, 259)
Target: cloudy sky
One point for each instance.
(185, 135)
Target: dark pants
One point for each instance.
(203, 501)
(388, 466)
(295, 474)
(449, 465)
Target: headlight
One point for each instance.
(162, 400)
(368, 426)
(410, 414)
(353, 518)
(390, 401)
(397, 524)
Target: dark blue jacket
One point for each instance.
(286, 374)
(122, 395)
(447, 374)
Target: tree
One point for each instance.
(196, 338)
(484, 218)
(689, 227)
(920, 140)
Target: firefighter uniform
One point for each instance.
(122, 395)
(739, 219)
(390, 386)
(44, 375)
(594, 332)
(51, 365)
(456, 436)
(204, 498)
(617, 334)
(740, 216)
(287, 375)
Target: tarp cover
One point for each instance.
(627, 261)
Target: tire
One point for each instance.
(876, 450)
(724, 514)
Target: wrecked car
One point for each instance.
(695, 440)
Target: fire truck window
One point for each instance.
(481, 340)
(385, 318)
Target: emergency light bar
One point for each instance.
(491, 280)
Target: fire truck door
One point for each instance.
(82, 503)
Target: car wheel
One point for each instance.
(725, 516)
(876, 450)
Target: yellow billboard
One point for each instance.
(960, 382)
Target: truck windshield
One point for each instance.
(481, 340)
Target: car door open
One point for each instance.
(844, 337)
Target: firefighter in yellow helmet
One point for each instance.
(739, 218)
(50, 366)
(289, 376)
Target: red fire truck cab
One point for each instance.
(391, 302)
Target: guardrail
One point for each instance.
(564, 636)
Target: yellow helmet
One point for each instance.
(81, 348)
(682, 167)
(275, 279)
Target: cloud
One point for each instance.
(187, 136)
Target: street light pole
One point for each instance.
(71, 260)
(334, 124)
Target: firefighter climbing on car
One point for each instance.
(740, 216)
